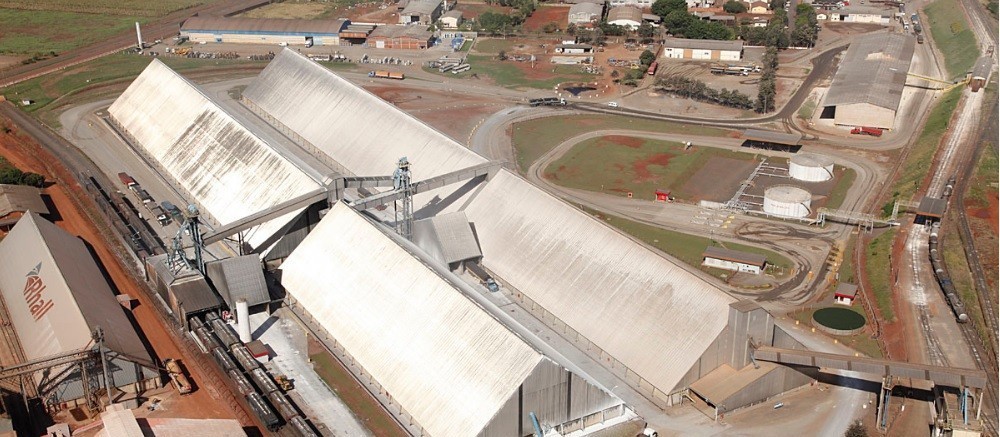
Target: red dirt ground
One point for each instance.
(26, 155)
(642, 173)
(452, 114)
(544, 15)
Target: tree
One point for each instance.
(571, 29)
(857, 429)
(647, 57)
(665, 7)
(677, 21)
(33, 179)
(734, 7)
(502, 55)
(646, 30)
(550, 27)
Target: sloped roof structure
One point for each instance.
(352, 126)
(224, 165)
(240, 277)
(594, 279)
(21, 198)
(262, 25)
(873, 71)
(447, 237)
(449, 363)
(703, 44)
(57, 296)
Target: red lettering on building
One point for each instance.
(33, 289)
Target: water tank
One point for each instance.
(810, 167)
(787, 201)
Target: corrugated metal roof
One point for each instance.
(420, 7)
(188, 286)
(41, 264)
(586, 8)
(594, 279)
(119, 422)
(754, 259)
(238, 278)
(846, 289)
(983, 67)
(21, 198)
(179, 427)
(773, 137)
(448, 236)
(397, 31)
(703, 44)
(363, 133)
(932, 206)
(873, 71)
(443, 358)
(723, 382)
(263, 25)
(626, 12)
(225, 166)
(863, 10)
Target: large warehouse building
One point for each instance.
(263, 30)
(868, 86)
(702, 49)
(228, 165)
(56, 298)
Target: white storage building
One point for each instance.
(224, 164)
(702, 49)
(263, 30)
(585, 13)
(57, 297)
(810, 167)
(868, 86)
(734, 260)
(861, 14)
(448, 365)
(787, 201)
(627, 15)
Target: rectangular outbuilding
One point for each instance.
(400, 37)
(702, 49)
(931, 209)
(585, 13)
(16, 200)
(263, 31)
(862, 14)
(735, 260)
(845, 293)
(868, 86)
(420, 11)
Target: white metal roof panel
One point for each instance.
(444, 359)
(352, 126)
(873, 71)
(598, 280)
(56, 295)
(227, 169)
(449, 234)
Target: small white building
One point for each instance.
(585, 13)
(735, 260)
(627, 16)
(702, 49)
(862, 14)
(574, 49)
(845, 293)
(635, 3)
(451, 19)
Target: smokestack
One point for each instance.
(243, 321)
(138, 35)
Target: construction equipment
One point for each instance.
(177, 377)
(283, 382)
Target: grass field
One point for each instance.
(534, 138)
(685, 247)
(143, 8)
(292, 10)
(51, 90)
(914, 170)
(630, 164)
(511, 75)
(492, 46)
(958, 266)
(952, 36)
(28, 32)
(879, 274)
(839, 191)
(348, 390)
(807, 109)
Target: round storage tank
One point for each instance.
(787, 201)
(810, 167)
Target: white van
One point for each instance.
(613, 104)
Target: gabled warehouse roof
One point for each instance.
(56, 295)
(702, 44)
(189, 286)
(262, 25)
(223, 164)
(14, 198)
(354, 127)
(595, 279)
(447, 237)
(450, 364)
(873, 71)
(240, 277)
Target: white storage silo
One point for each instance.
(810, 167)
(787, 201)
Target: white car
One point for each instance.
(613, 104)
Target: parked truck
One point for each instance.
(127, 180)
(547, 101)
(161, 216)
(173, 210)
(864, 130)
(382, 74)
(484, 277)
(179, 380)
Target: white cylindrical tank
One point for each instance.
(787, 201)
(243, 321)
(810, 167)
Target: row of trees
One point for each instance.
(806, 28)
(498, 23)
(767, 89)
(11, 175)
(698, 90)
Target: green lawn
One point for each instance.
(508, 74)
(492, 46)
(347, 389)
(961, 276)
(685, 247)
(29, 32)
(117, 68)
(642, 166)
(807, 109)
(846, 272)
(952, 36)
(145, 8)
(839, 191)
(534, 138)
(862, 342)
(877, 266)
(914, 170)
